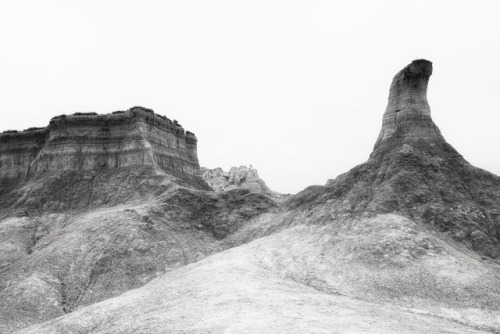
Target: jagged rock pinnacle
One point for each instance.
(407, 117)
(237, 177)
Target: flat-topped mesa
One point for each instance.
(89, 141)
(407, 117)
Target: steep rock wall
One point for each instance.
(88, 141)
(17, 151)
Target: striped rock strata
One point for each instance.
(407, 117)
(90, 142)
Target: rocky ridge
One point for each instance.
(236, 178)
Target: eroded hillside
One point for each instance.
(95, 205)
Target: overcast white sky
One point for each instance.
(295, 88)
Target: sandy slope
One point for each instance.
(312, 279)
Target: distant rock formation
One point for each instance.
(414, 172)
(88, 141)
(237, 178)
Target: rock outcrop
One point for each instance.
(236, 178)
(88, 141)
(407, 118)
(87, 159)
(414, 172)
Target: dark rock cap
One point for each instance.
(419, 67)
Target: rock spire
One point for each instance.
(414, 172)
(407, 118)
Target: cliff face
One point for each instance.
(17, 151)
(83, 142)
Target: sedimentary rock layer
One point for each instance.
(88, 141)
(407, 117)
